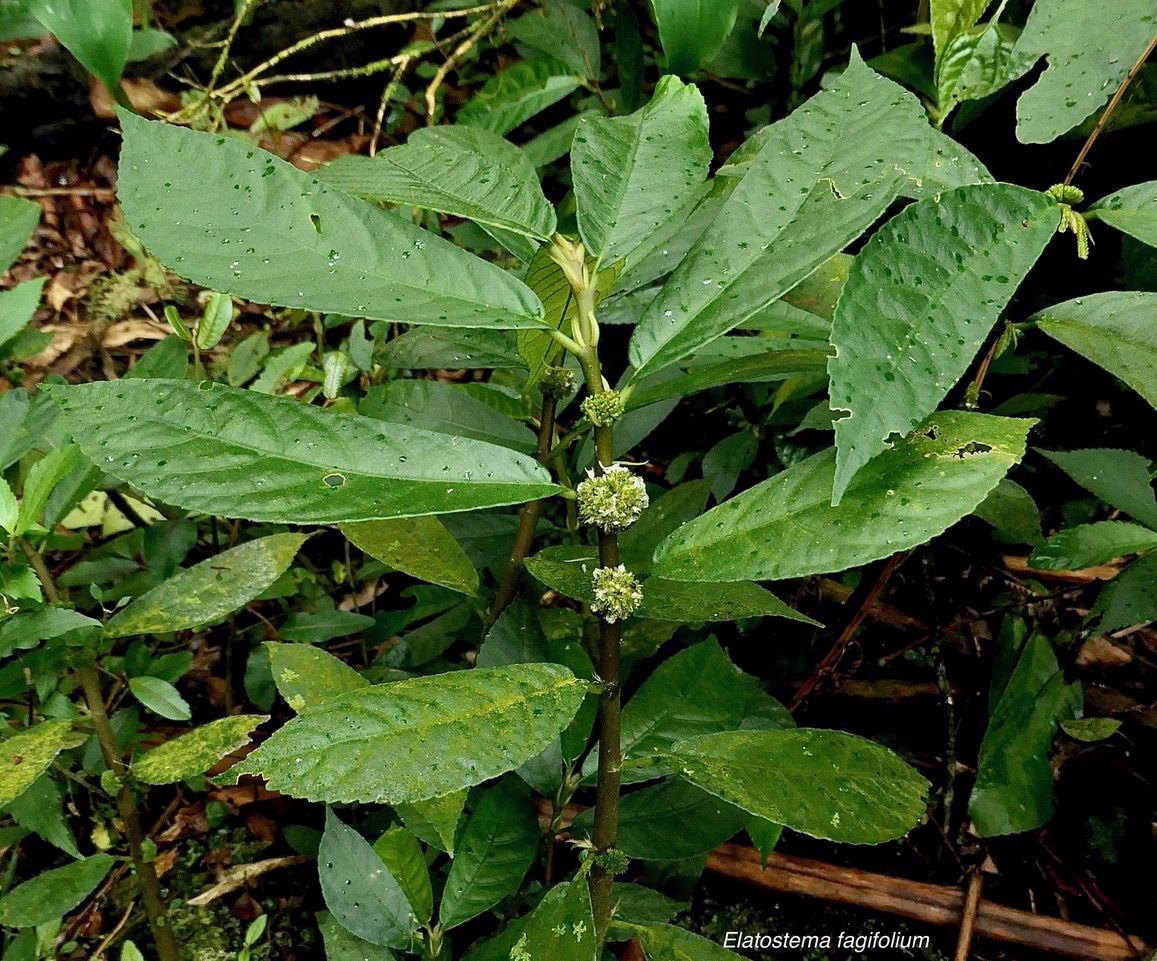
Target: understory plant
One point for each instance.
(429, 766)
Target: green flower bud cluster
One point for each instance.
(558, 382)
(617, 593)
(604, 408)
(613, 861)
(613, 500)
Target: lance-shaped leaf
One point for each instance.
(25, 756)
(373, 745)
(462, 171)
(402, 853)
(1121, 478)
(194, 753)
(514, 95)
(18, 218)
(210, 590)
(569, 570)
(419, 546)
(693, 31)
(497, 848)
(977, 65)
(786, 526)
(919, 301)
(633, 174)
(1090, 48)
(238, 220)
(239, 453)
(951, 19)
(99, 33)
(1132, 211)
(359, 889)
(52, 894)
(1087, 545)
(819, 178)
(1114, 330)
(824, 783)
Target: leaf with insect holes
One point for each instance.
(911, 493)
(918, 304)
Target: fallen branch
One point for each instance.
(929, 903)
(241, 875)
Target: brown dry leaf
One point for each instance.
(1102, 652)
(147, 98)
(64, 286)
(126, 331)
(65, 338)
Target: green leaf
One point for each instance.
(25, 756)
(1014, 782)
(1132, 211)
(569, 570)
(951, 19)
(514, 95)
(52, 894)
(903, 498)
(18, 218)
(433, 405)
(343, 945)
(42, 479)
(693, 31)
(305, 676)
(919, 302)
(418, 546)
(426, 348)
(631, 174)
(97, 32)
(17, 308)
(563, 31)
(977, 65)
(26, 630)
(1130, 598)
(670, 821)
(283, 237)
(1089, 730)
(461, 171)
(1090, 49)
(1090, 544)
(824, 783)
(403, 857)
(435, 820)
(667, 942)
(359, 889)
(1121, 478)
(233, 452)
(194, 753)
(1010, 509)
(560, 928)
(9, 509)
(160, 697)
(497, 848)
(696, 691)
(215, 320)
(1114, 330)
(486, 721)
(208, 591)
(810, 184)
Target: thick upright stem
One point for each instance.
(167, 947)
(606, 826)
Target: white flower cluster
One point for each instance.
(617, 593)
(613, 500)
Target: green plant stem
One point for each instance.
(606, 826)
(150, 885)
(527, 518)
